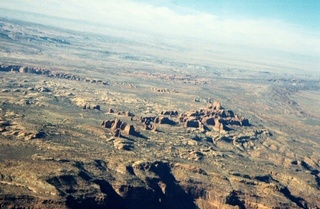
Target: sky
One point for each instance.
(300, 12)
(284, 25)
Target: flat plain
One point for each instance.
(187, 128)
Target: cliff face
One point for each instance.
(155, 185)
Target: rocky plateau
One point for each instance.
(82, 128)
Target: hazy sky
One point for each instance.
(286, 25)
(300, 12)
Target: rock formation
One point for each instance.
(214, 116)
(192, 123)
(218, 125)
(108, 124)
(216, 105)
(53, 155)
(116, 132)
(119, 128)
(49, 73)
(129, 130)
(170, 113)
(166, 120)
(89, 107)
(129, 114)
(116, 124)
(96, 107)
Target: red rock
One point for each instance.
(153, 127)
(108, 124)
(218, 125)
(123, 125)
(129, 130)
(116, 124)
(192, 124)
(116, 133)
(165, 120)
(217, 106)
(208, 120)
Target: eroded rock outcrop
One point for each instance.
(120, 112)
(214, 115)
(166, 120)
(170, 113)
(49, 73)
(91, 107)
(119, 128)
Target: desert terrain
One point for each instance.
(91, 120)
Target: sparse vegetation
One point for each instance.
(56, 153)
